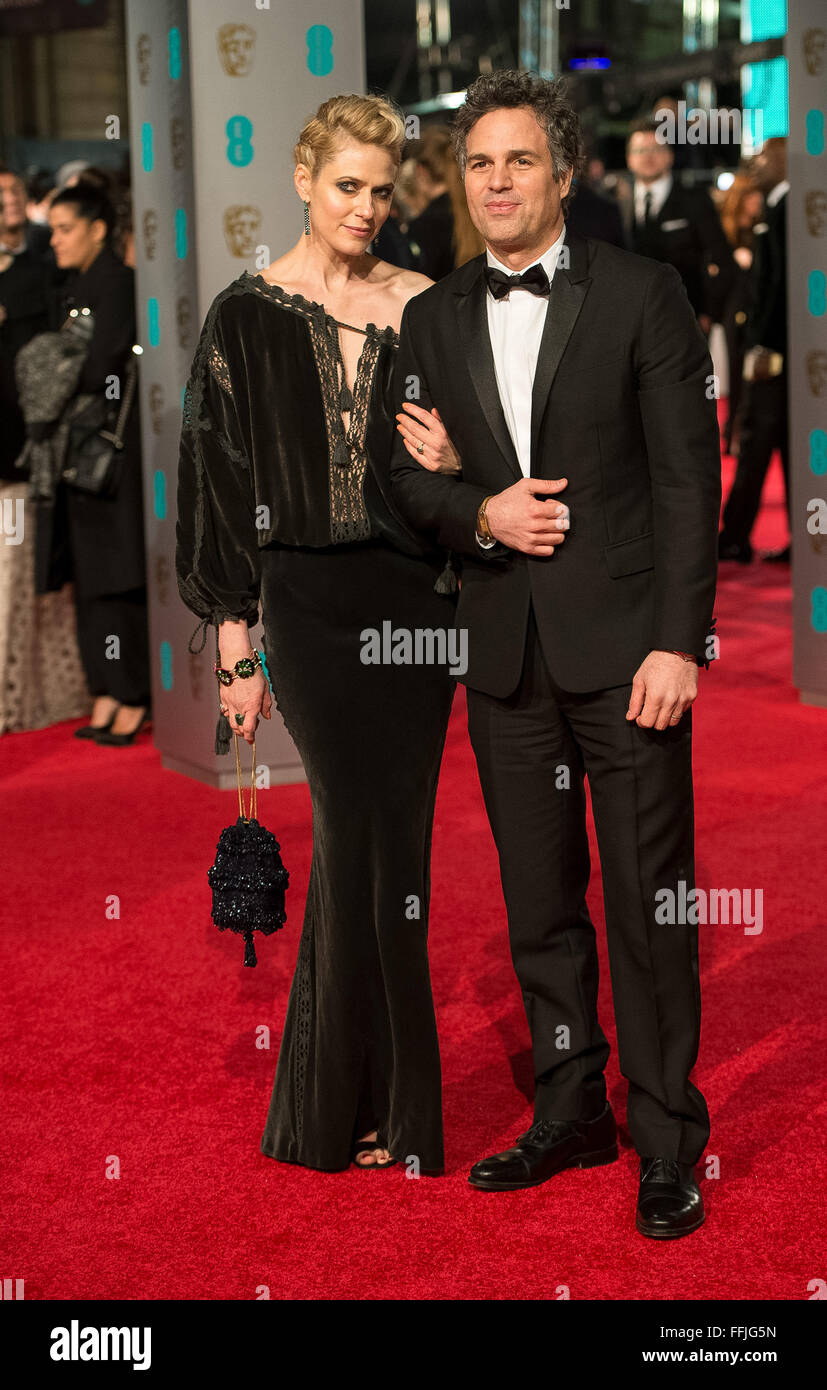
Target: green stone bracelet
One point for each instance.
(242, 669)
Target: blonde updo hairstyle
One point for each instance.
(370, 120)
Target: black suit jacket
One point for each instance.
(687, 234)
(591, 214)
(767, 313)
(622, 407)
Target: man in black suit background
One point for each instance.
(675, 224)
(585, 619)
(764, 425)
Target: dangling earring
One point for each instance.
(307, 219)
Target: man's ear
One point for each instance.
(565, 183)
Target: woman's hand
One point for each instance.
(249, 696)
(426, 439)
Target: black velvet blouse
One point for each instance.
(263, 454)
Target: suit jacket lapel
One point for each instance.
(472, 318)
(568, 292)
(672, 206)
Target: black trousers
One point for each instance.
(118, 669)
(763, 429)
(533, 750)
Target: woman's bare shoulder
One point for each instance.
(406, 284)
(279, 272)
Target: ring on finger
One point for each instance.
(420, 448)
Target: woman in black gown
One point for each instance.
(284, 497)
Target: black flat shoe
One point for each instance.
(669, 1201)
(93, 730)
(123, 740)
(545, 1149)
(364, 1146)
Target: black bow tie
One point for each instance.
(533, 279)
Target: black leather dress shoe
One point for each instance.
(741, 554)
(777, 557)
(669, 1201)
(547, 1148)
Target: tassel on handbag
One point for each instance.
(248, 878)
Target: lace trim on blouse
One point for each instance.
(347, 455)
(219, 369)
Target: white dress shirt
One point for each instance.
(515, 327)
(660, 190)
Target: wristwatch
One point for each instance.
(484, 537)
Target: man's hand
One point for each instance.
(664, 687)
(534, 525)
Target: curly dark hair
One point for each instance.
(548, 100)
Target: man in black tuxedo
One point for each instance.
(764, 426)
(676, 224)
(571, 611)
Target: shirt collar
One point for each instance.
(777, 193)
(660, 189)
(548, 260)
(15, 250)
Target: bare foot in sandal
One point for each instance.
(371, 1156)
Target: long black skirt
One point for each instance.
(359, 1050)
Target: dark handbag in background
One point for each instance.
(94, 453)
(248, 879)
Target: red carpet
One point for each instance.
(133, 1041)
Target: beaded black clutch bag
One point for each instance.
(248, 879)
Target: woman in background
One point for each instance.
(442, 232)
(41, 681)
(739, 210)
(99, 541)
